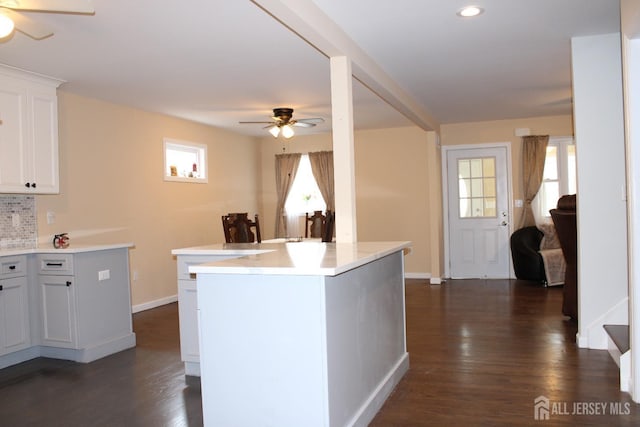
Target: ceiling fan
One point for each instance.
(283, 122)
(11, 16)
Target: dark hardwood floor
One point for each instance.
(480, 351)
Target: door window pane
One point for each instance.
(477, 187)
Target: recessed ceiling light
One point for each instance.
(470, 11)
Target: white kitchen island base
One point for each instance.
(286, 349)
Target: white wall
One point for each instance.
(630, 13)
(601, 204)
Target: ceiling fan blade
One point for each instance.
(303, 124)
(63, 6)
(258, 123)
(313, 120)
(30, 27)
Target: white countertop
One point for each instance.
(72, 249)
(290, 258)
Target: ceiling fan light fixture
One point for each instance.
(287, 131)
(275, 131)
(6, 26)
(470, 11)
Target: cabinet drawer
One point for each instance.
(13, 266)
(56, 264)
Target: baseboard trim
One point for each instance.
(153, 304)
(89, 354)
(192, 369)
(417, 275)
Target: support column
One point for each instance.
(343, 151)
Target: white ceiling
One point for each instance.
(220, 62)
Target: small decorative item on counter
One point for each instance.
(174, 170)
(61, 241)
(194, 171)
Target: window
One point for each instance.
(559, 177)
(185, 161)
(304, 195)
(477, 187)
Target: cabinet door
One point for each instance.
(14, 315)
(59, 327)
(188, 315)
(13, 140)
(43, 157)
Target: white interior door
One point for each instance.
(478, 212)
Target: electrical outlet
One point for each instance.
(51, 217)
(104, 275)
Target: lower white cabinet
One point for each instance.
(85, 299)
(66, 304)
(59, 325)
(188, 309)
(188, 314)
(14, 315)
(15, 331)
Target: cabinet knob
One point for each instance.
(30, 184)
(68, 283)
(0, 287)
(12, 267)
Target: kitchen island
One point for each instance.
(301, 333)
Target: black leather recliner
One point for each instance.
(564, 218)
(527, 261)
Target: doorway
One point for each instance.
(477, 188)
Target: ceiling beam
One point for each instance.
(309, 22)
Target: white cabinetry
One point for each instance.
(28, 132)
(58, 296)
(86, 302)
(14, 305)
(188, 309)
(72, 304)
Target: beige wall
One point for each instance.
(112, 188)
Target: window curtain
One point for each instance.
(534, 152)
(322, 169)
(286, 168)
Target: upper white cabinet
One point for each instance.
(28, 132)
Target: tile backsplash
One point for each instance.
(18, 223)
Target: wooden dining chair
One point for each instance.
(327, 233)
(237, 228)
(314, 224)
